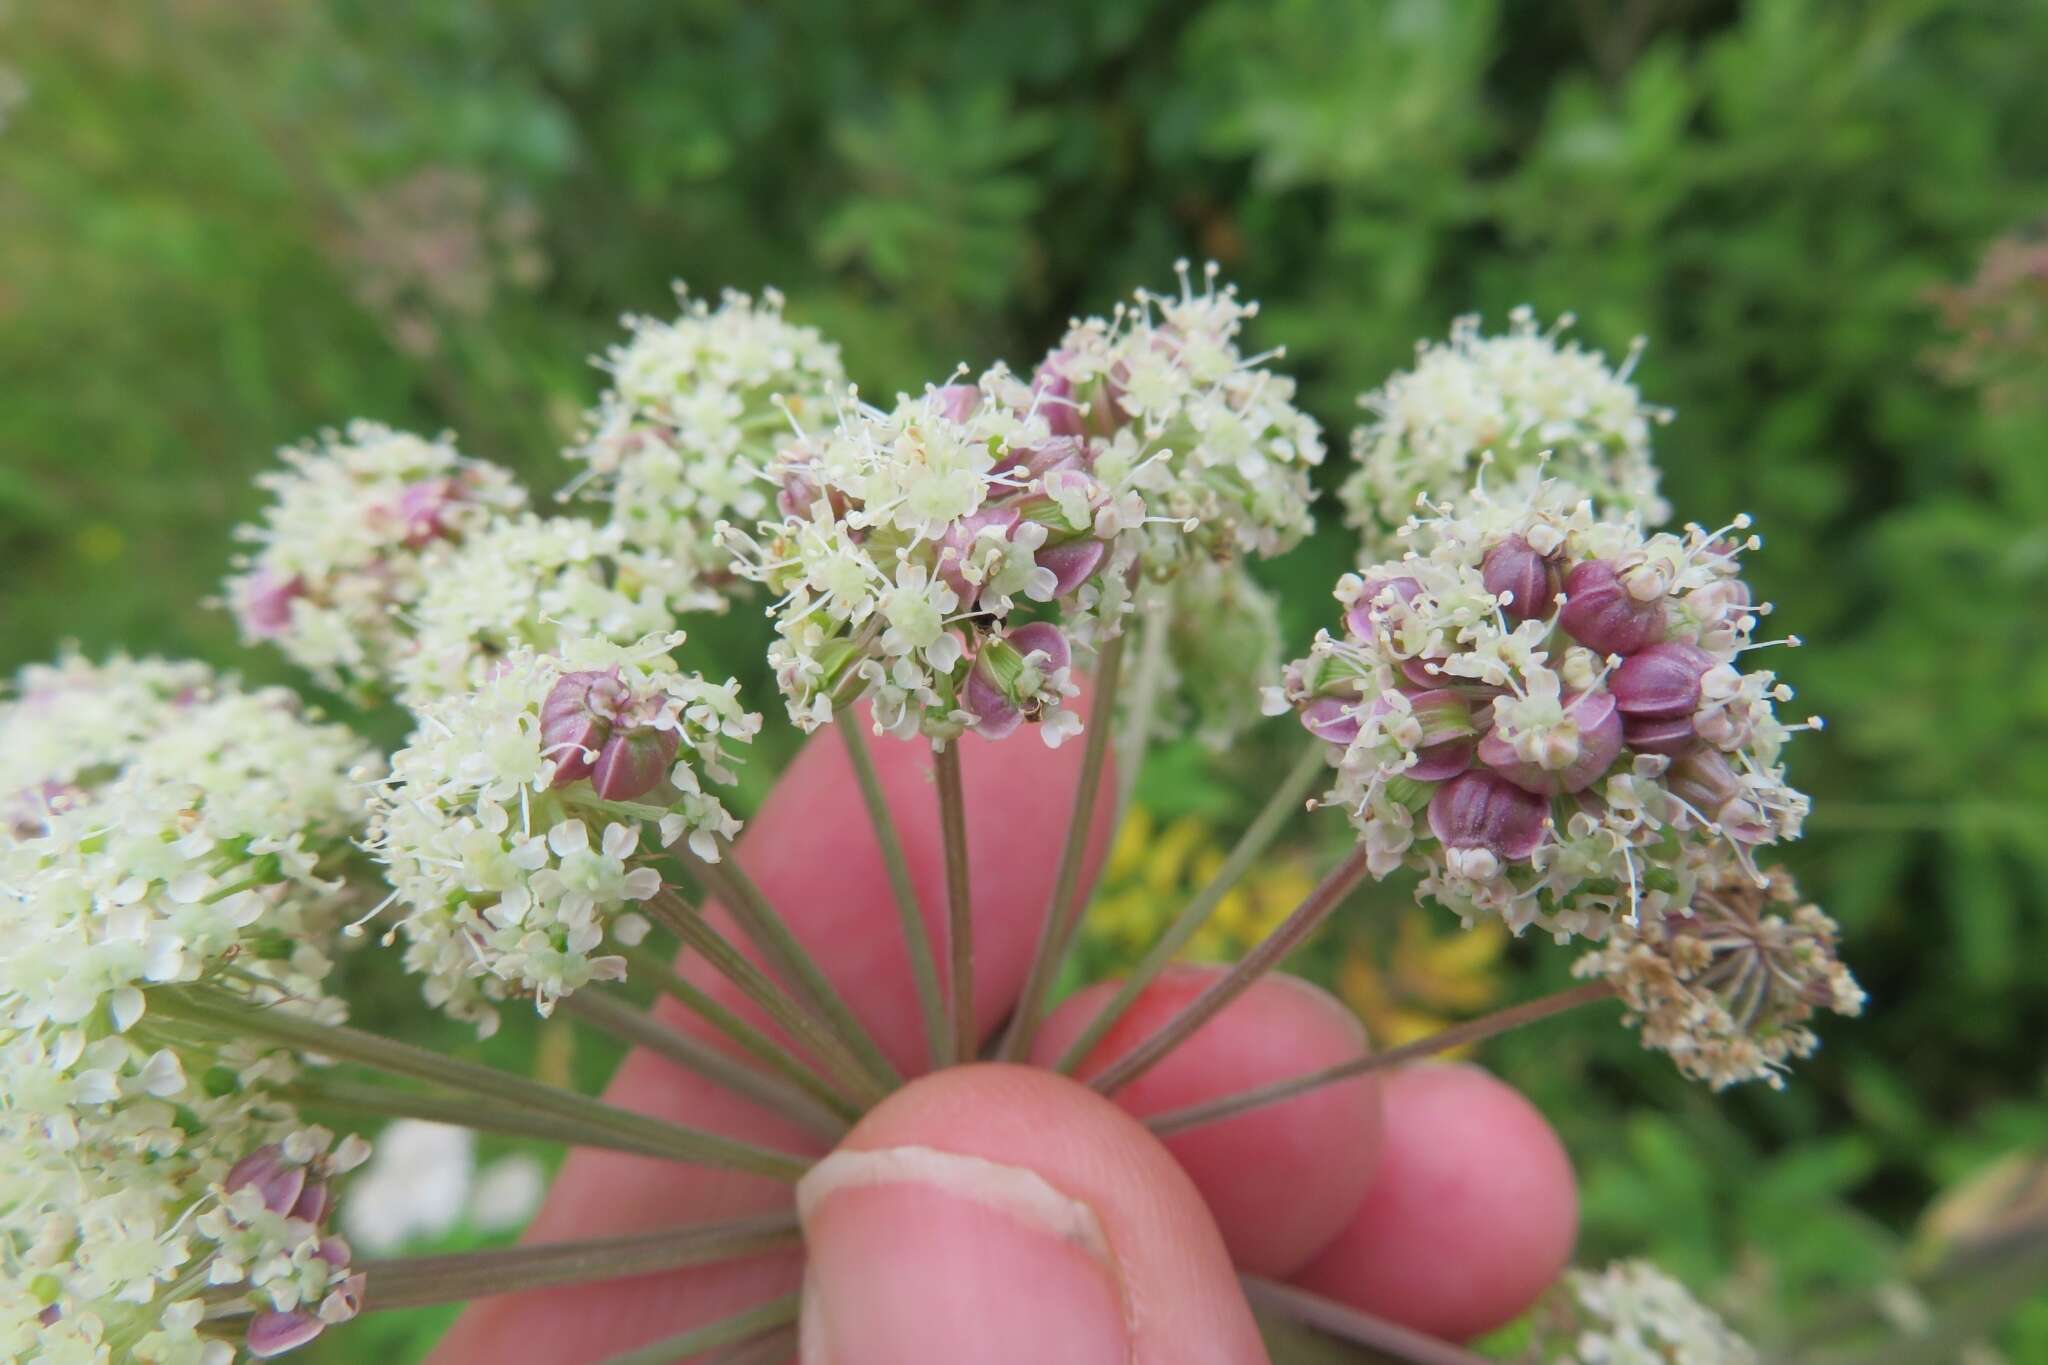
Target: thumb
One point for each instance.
(986, 1215)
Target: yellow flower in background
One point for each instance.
(1154, 870)
(1405, 979)
(1423, 981)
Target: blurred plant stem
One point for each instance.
(1063, 912)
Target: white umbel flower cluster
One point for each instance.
(945, 558)
(1524, 401)
(1729, 988)
(70, 724)
(682, 440)
(194, 835)
(1174, 411)
(526, 582)
(1221, 648)
(1544, 712)
(516, 821)
(341, 549)
(915, 546)
(1632, 1313)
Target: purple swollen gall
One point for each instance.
(587, 727)
(1514, 569)
(1567, 762)
(997, 692)
(1662, 680)
(1071, 562)
(1482, 810)
(1601, 614)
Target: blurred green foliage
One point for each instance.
(225, 223)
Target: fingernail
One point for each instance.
(920, 1255)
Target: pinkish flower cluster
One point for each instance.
(269, 1231)
(1545, 713)
(343, 546)
(923, 552)
(916, 549)
(682, 440)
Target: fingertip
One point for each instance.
(1003, 1214)
(1281, 1180)
(1471, 1215)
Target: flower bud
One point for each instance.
(1569, 759)
(1663, 680)
(1513, 567)
(1600, 613)
(1065, 411)
(312, 1205)
(1072, 563)
(798, 492)
(1719, 604)
(1479, 809)
(1054, 388)
(632, 764)
(995, 715)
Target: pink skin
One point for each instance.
(1280, 1182)
(941, 1278)
(1472, 1212)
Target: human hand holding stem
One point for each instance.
(1004, 1213)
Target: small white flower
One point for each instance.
(698, 406)
(1508, 402)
